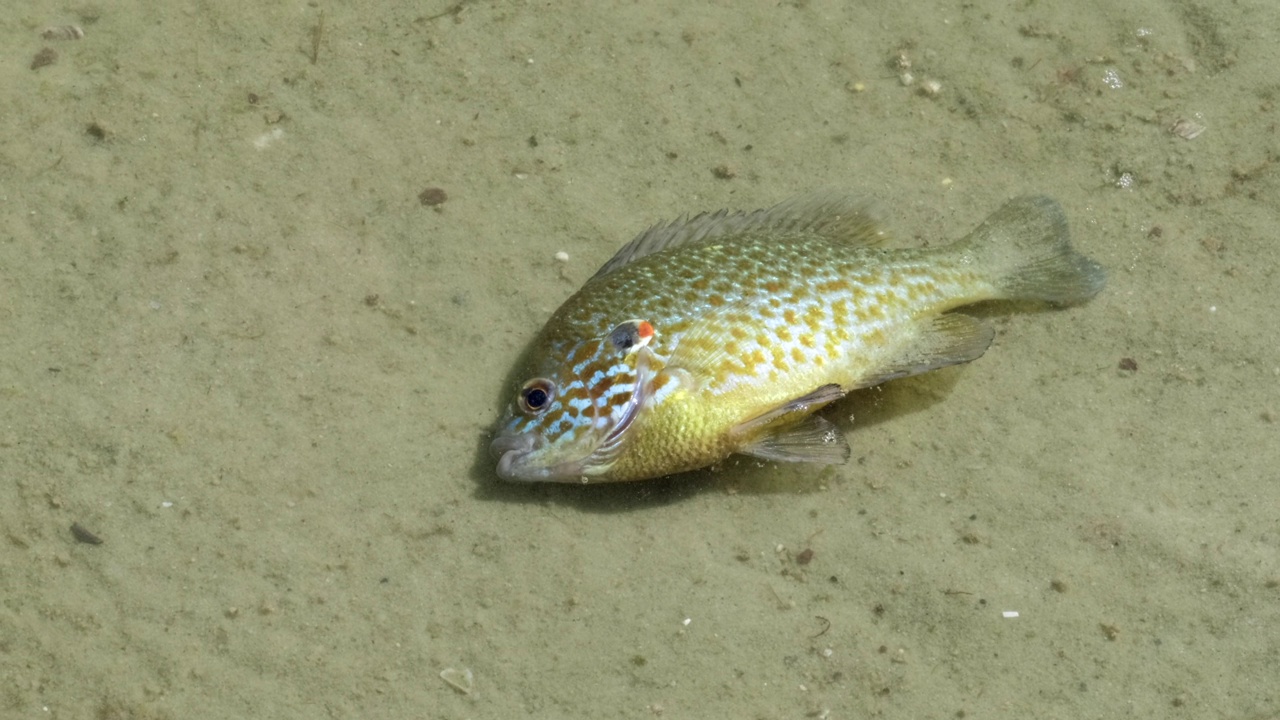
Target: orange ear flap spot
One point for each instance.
(631, 335)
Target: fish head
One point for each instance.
(570, 423)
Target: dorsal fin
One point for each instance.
(827, 213)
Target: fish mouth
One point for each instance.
(510, 451)
(517, 457)
(514, 453)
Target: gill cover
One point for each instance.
(580, 430)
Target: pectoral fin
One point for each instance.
(783, 434)
(813, 440)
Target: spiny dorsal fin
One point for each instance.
(826, 213)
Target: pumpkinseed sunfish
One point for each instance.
(724, 333)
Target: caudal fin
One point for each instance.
(1026, 248)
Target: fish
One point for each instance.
(726, 332)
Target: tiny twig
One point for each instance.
(317, 34)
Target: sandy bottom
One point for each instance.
(239, 349)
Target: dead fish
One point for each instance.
(724, 333)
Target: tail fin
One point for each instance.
(1027, 250)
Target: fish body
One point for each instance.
(724, 333)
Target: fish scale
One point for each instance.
(759, 319)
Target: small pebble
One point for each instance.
(46, 56)
(84, 535)
(64, 32)
(433, 196)
(562, 256)
(1186, 129)
(460, 680)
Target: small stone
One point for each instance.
(1186, 129)
(433, 196)
(460, 680)
(723, 172)
(46, 56)
(64, 32)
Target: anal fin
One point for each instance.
(949, 339)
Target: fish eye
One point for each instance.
(536, 395)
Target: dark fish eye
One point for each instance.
(536, 395)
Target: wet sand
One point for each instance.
(242, 352)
